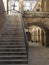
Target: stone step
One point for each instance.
(13, 32)
(14, 50)
(13, 28)
(16, 23)
(13, 60)
(12, 25)
(18, 43)
(16, 29)
(20, 35)
(17, 64)
(23, 61)
(12, 43)
(13, 55)
(13, 36)
(9, 39)
(17, 37)
(6, 52)
(10, 58)
(17, 49)
(12, 46)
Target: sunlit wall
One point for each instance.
(5, 4)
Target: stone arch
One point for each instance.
(39, 24)
(44, 27)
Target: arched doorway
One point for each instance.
(37, 35)
(45, 30)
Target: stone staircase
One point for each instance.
(12, 42)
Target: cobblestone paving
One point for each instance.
(38, 55)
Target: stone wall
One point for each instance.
(2, 14)
(45, 5)
(44, 21)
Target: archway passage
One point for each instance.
(39, 24)
(36, 35)
(44, 32)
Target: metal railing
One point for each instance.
(25, 36)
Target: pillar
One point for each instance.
(42, 5)
(21, 5)
(47, 5)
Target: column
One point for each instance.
(42, 5)
(21, 5)
(47, 5)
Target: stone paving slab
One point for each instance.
(38, 55)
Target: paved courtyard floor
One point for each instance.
(38, 55)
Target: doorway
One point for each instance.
(37, 36)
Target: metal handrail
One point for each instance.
(25, 37)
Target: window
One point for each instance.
(33, 4)
(29, 5)
(14, 5)
(26, 5)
